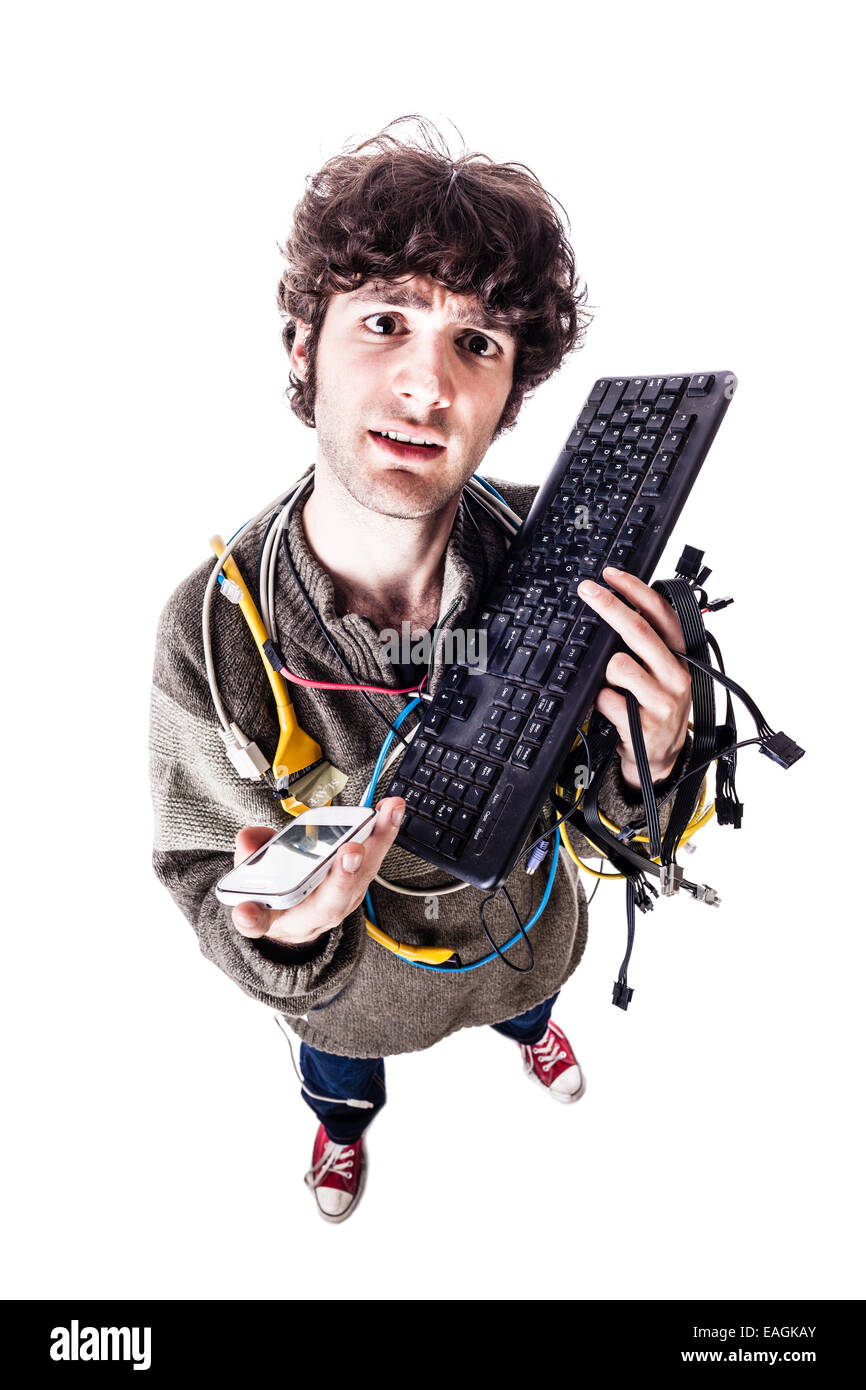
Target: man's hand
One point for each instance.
(658, 680)
(339, 893)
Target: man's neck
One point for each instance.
(388, 569)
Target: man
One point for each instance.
(423, 297)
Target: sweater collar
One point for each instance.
(466, 555)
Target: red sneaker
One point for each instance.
(554, 1066)
(337, 1176)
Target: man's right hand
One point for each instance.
(340, 892)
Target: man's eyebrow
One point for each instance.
(406, 297)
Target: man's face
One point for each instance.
(412, 358)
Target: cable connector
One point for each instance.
(718, 604)
(689, 563)
(273, 656)
(230, 590)
(245, 756)
(703, 893)
(670, 878)
(621, 994)
(537, 856)
(781, 749)
(729, 812)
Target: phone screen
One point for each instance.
(286, 860)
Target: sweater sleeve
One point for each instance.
(199, 805)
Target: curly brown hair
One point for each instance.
(399, 204)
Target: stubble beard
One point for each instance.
(384, 491)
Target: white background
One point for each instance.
(155, 1140)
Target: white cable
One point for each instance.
(205, 610)
(333, 1100)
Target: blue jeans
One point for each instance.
(363, 1078)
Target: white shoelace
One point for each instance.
(548, 1051)
(337, 1158)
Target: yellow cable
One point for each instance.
(427, 955)
(295, 749)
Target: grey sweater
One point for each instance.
(345, 994)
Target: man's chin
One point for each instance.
(401, 492)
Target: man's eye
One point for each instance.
(479, 344)
(385, 325)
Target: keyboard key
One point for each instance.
(524, 755)
(612, 397)
(412, 796)
(653, 389)
(500, 746)
(654, 485)
(423, 777)
(428, 804)
(454, 678)
(411, 760)
(633, 390)
(640, 514)
(504, 695)
(457, 790)
(475, 798)
(468, 768)
(505, 651)
(451, 845)
(700, 385)
(666, 403)
(542, 662)
(519, 661)
(674, 385)
(492, 717)
(513, 723)
(461, 706)
(439, 784)
(597, 393)
(683, 421)
(488, 775)
(561, 679)
(462, 821)
(444, 812)
(536, 731)
(451, 759)
(523, 701)
(547, 707)
(434, 720)
(423, 831)
(481, 742)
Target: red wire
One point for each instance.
(336, 685)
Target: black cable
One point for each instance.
(518, 969)
(465, 495)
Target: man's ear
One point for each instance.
(298, 354)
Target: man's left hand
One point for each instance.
(659, 681)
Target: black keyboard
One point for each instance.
(493, 740)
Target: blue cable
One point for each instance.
(368, 902)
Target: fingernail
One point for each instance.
(397, 815)
(352, 862)
(613, 569)
(587, 587)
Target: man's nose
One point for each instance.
(424, 375)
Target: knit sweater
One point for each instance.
(346, 994)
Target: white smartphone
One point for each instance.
(285, 870)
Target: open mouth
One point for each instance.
(404, 446)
